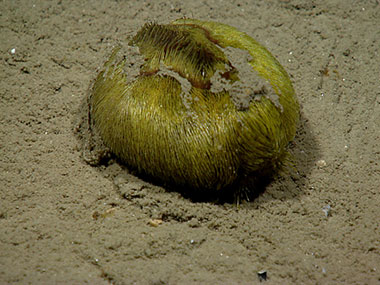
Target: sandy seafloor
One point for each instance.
(64, 221)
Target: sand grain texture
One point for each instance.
(64, 221)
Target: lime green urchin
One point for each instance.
(168, 122)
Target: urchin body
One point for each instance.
(195, 138)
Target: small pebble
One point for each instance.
(326, 209)
(262, 274)
(155, 222)
(321, 163)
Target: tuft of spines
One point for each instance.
(185, 50)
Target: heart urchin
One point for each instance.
(181, 103)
